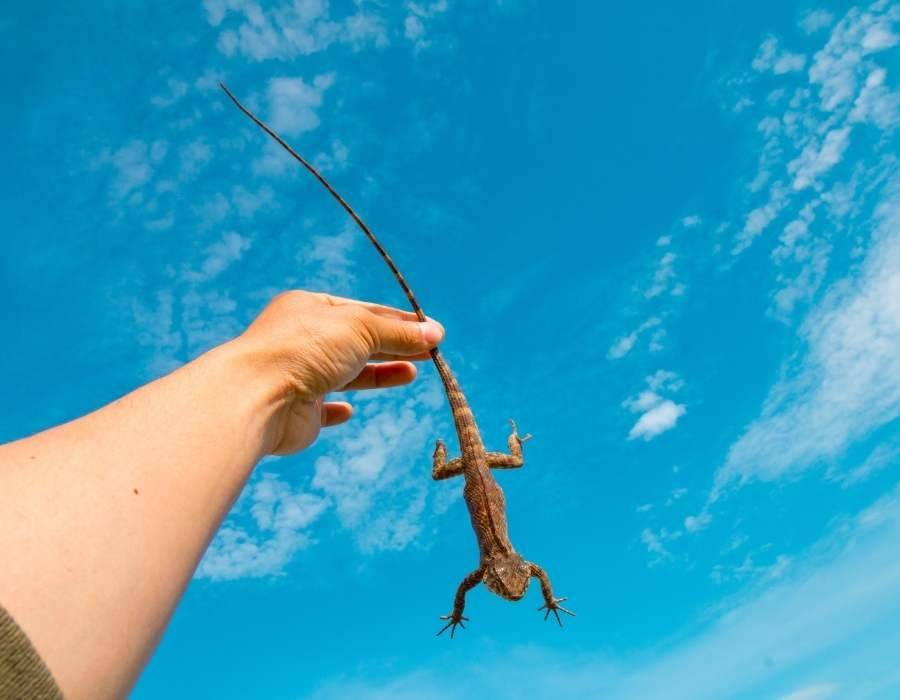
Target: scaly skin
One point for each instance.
(501, 568)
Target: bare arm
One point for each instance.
(104, 519)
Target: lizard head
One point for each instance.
(508, 576)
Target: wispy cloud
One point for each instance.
(835, 609)
(847, 382)
(134, 164)
(174, 91)
(625, 343)
(291, 29)
(327, 262)
(278, 527)
(373, 474)
(417, 17)
(293, 106)
(816, 20)
(772, 58)
(881, 457)
(808, 123)
(655, 541)
(819, 691)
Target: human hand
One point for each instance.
(309, 344)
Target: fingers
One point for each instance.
(335, 413)
(381, 376)
(378, 309)
(394, 336)
(394, 329)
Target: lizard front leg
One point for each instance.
(459, 602)
(441, 468)
(551, 604)
(515, 458)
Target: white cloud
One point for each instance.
(802, 286)
(838, 67)
(300, 28)
(664, 380)
(881, 457)
(847, 381)
(155, 325)
(175, 90)
(818, 158)
(653, 541)
(413, 28)
(819, 691)
(657, 414)
(835, 609)
(135, 163)
(808, 150)
(194, 156)
(769, 57)
(626, 343)
(281, 516)
(294, 103)
(418, 14)
(815, 20)
(248, 203)
(327, 262)
(691, 221)
(749, 569)
(695, 523)
(220, 255)
(336, 160)
(760, 218)
(878, 38)
(293, 108)
(663, 275)
(373, 474)
(877, 103)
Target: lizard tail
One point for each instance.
(306, 164)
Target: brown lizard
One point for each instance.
(501, 568)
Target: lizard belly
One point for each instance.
(487, 509)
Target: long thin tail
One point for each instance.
(467, 430)
(343, 203)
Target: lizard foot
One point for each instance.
(554, 607)
(454, 620)
(520, 438)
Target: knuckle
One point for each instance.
(362, 323)
(325, 298)
(290, 297)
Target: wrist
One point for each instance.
(255, 381)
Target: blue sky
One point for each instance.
(665, 240)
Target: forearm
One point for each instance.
(98, 547)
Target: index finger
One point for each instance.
(378, 309)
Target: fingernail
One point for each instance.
(432, 332)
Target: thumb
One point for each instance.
(404, 338)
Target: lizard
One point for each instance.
(503, 570)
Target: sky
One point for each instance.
(664, 237)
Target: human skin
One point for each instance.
(104, 519)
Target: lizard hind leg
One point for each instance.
(441, 468)
(515, 458)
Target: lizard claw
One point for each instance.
(553, 606)
(520, 438)
(454, 620)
